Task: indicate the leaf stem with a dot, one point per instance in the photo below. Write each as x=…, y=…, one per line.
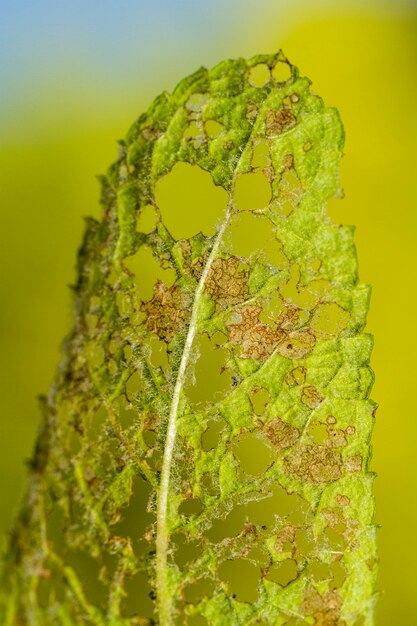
x=164, y=597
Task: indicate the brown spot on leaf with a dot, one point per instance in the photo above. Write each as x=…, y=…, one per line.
x=150, y=133
x=251, y=111
x=290, y=317
x=285, y=539
x=166, y=312
x=227, y=281
x=228, y=145
x=248, y=529
x=353, y=464
x=311, y=397
x=258, y=340
x=150, y=421
x=297, y=344
x=336, y=520
x=314, y=464
x=279, y=121
x=343, y=500
x=288, y=161
x=269, y=173
x=324, y=608
x=282, y=434
x=255, y=339
x=193, y=267
x=336, y=438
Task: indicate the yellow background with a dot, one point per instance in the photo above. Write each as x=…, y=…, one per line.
x=59, y=130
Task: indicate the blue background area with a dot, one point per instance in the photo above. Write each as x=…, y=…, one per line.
x=105, y=41
x=109, y=37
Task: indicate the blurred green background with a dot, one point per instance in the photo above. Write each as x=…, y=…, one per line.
x=75, y=75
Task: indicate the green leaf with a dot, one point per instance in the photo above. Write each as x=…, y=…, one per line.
x=205, y=448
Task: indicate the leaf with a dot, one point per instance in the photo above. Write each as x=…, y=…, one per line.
x=205, y=447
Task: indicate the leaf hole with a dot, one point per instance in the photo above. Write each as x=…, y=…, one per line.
x=264, y=513
x=314, y=265
x=87, y=570
x=305, y=543
x=281, y=72
x=250, y=235
x=189, y=201
x=259, y=398
x=149, y=437
x=295, y=294
x=318, y=571
x=213, y=128
x=283, y=572
x=259, y=555
x=253, y=453
x=185, y=551
x=157, y=351
x=334, y=539
x=212, y=358
x=126, y=416
x=51, y=587
x=297, y=344
x=196, y=591
x=338, y=573
x=296, y=376
x=135, y=386
x=259, y=75
x=289, y=193
x=155, y=459
x=146, y=220
x=147, y=272
x=136, y=518
x=193, y=130
x=55, y=527
x=252, y=191
x=317, y=432
x=211, y=437
x=137, y=601
x=261, y=155
x=190, y=507
x=242, y=579
x=329, y=319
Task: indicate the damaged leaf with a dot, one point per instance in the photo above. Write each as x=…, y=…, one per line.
x=161, y=492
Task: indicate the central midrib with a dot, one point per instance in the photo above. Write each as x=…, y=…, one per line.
x=164, y=600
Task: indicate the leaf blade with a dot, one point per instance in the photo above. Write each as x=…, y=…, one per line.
x=296, y=421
